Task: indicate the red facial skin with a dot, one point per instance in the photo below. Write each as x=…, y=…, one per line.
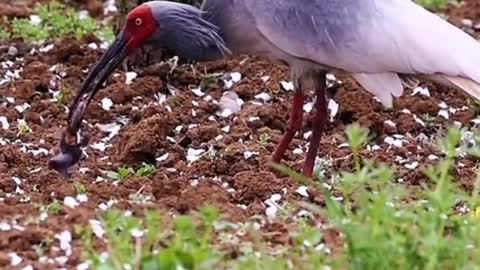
x=139, y=26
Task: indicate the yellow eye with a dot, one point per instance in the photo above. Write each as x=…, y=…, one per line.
x=138, y=21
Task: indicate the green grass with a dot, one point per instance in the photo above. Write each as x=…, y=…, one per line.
x=56, y=21
x=53, y=208
x=263, y=139
x=123, y=173
x=79, y=188
x=383, y=225
x=209, y=81
x=140, y=243
x=23, y=128
x=434, y=4
x=4, y=35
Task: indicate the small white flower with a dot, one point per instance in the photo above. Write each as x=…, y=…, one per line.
x=17, y=180
x=226, y=129
x=103, y=206
x=395, y=142
x=443, y=105
x=100, y=146
x=271, y=211
x=97, y=228
x=35, y=20
x=93, y=46
x=137, y=233
x=5, y=227
x=4, y=122
x=130, y=76
x=302, y=190
x=22, y=108
x=248, y=154
x=263, y=96
x=236, y=76
x=275, y=198
x=228, y=84
x=230, y=104
x=83, y=14
x=390, y=123
x=194, y=182
x=70, y=202
x=287, y=86
x=65, y=239
x=107, y=104
x=43, y=216
x=14, y=259
x=39, y=151
x=444, y=114
x=308, y=107
x=194, y=154
x=61, y=260
x=112, y=129
x=333, y=108
x=47, y=48
x=412, y=166
x=83, y=266
x=307, y=135
x=163, y=158
x=298, y=151
x=422, y=91
x=82, y=198
x=198, y=92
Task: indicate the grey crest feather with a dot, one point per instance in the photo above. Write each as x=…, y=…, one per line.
x=184, y=31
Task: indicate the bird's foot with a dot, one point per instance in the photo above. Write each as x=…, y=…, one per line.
x=294, y=124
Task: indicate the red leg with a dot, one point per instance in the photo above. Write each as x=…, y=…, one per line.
x=294, y=123
x=318, y=125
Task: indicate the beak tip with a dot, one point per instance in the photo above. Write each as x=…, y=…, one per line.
x=61, y=163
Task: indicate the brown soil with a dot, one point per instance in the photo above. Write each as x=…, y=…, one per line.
x=223, y=176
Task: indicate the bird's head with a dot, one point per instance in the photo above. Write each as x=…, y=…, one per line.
x=161, y=24
x=139, y=26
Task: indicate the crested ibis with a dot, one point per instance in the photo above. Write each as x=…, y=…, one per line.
x=379, y=43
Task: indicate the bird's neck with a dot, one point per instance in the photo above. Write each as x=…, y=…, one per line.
x=191, y=35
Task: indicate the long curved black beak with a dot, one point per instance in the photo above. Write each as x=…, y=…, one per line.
x=69, y=145
x=96, y=77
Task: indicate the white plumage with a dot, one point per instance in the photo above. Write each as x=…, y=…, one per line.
x=424, y=44
x=383, y=39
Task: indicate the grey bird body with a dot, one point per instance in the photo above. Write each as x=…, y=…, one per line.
x=372, y=40
x=378, y=42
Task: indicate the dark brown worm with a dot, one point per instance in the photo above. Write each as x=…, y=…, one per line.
x=71, y=155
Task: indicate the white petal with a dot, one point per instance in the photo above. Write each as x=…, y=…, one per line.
x=4, y=122
x=130, y=76
x=107, y=104
x=287, y=86
x=302, y=190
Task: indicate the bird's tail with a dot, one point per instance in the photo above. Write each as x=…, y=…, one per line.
x=469, y=86
x=385, y=86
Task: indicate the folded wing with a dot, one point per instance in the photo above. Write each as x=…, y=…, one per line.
x=374, y=40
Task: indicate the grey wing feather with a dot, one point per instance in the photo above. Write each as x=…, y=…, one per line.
x=198, y=38
x=372, y=39
x=318, y=30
